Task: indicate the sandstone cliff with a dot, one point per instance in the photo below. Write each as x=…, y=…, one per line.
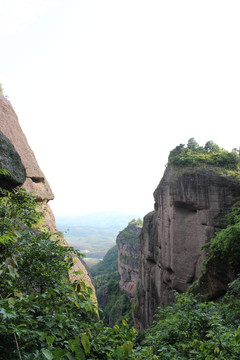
x=13, y=142
x=189, y=205
x=128, y=258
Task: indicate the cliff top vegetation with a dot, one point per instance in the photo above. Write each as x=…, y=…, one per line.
x=137, y=222
x=210, y=154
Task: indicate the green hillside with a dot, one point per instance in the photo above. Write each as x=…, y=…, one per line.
x=113, y=304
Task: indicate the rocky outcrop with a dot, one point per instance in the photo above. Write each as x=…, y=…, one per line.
x=189, y=206
x=12, y=170
x=128, y=258
x=35, y=181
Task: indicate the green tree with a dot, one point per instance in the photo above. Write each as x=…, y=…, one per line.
x=210, y=146
x=192, y=144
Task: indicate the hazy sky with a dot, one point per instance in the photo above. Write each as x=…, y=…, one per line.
x=104, y=89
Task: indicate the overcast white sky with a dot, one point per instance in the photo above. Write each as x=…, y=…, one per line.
x=104, y=89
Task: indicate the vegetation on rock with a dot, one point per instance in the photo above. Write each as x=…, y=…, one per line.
x=211, y=154
x=222, y=259
x=226, y=244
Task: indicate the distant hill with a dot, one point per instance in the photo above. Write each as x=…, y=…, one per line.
x=93, y=233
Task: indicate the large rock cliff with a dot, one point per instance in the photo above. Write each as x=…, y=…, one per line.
x=10, y=127
x=189, y=206
x=17, y=157
x=128, y=258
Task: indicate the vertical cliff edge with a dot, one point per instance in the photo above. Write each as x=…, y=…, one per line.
x=189, y=206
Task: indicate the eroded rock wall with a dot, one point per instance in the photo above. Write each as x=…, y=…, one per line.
x=189, y=206
x=35, y=179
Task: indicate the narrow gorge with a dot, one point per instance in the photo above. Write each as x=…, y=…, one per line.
x=189, y=241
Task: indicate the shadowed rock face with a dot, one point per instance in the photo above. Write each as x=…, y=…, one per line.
x=128, y=258
x=189, y=206
x=10, y=161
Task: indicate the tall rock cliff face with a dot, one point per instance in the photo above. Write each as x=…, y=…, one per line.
x=17, y=154
x=128, y=258
x=35, y=179
x=189, y=205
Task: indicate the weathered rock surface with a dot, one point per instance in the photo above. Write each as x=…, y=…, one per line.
x=189, y=205
x=10, y=161
x=128, y=258
x=35, y=179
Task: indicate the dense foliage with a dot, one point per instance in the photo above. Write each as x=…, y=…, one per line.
x=196, y=330
x=114, y=305
x=226, y=244
x=211, y=154
x=42, y=314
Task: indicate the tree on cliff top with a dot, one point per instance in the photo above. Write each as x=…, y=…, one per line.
x=192, y=144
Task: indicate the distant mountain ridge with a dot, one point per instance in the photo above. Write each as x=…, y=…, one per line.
x=97, y=219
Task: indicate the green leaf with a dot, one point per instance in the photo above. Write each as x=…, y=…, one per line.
x=12, y=271
x=85, y=343
x=70, y=357
x=76, y=348
x=50, y=323
x=50, y=339
x=48, y=354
